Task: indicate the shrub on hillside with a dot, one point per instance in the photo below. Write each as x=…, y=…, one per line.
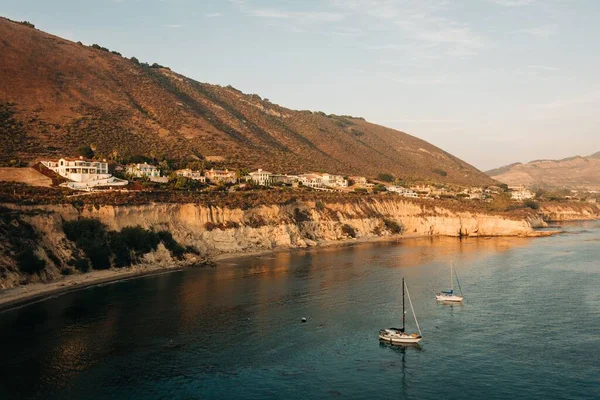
x=90, y=236
x=393, y=226
x=123, y=248
x=349, y=231
x=301, y=216
x=531, y=204
x=29, y=263
x=379, y=188
x=85, y=151
x=171, y=244
x=98, y=47
x=385, y=177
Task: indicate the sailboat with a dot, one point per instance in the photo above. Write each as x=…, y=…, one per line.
x=450, y=296
x=399, y=335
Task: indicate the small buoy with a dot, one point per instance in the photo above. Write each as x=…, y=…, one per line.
x=303, y=319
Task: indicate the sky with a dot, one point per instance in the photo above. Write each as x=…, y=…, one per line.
x=490, y=81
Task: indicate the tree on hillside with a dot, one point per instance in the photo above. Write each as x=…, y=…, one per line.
x=86, y=151
x=385, y=177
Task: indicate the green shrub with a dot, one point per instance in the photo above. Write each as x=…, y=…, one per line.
x=385, y=177
x=90, y=236
x=393, y=226
x=123, y=248
x=440, y=172
x=171, y=244
x=349, y=231
x=531, y=204
x=139, y=240
x=29, y=263
x=301, y=216
x=86, y=151
x=379, y=188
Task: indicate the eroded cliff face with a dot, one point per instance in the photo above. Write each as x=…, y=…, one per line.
x=570, y=212
x=215, y=230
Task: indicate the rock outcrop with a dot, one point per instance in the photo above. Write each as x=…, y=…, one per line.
x=570, y=212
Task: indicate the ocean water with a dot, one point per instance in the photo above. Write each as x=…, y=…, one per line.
x=529, y=327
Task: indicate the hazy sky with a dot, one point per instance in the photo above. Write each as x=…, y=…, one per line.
x=491, y=81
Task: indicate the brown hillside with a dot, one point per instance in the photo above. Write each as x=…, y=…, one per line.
x=56, y=95
x=572, y=173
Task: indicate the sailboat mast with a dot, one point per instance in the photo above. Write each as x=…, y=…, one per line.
x=451, y=276
x=403, y=312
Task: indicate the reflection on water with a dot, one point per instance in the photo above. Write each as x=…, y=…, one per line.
x=235, y=330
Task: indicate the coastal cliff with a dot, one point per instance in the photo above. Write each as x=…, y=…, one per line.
x=564, y=212
x=213, y=230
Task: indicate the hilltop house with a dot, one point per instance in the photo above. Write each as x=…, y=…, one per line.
x=143, y=170
x=84, y=174
x=188, y=173
x=358, y=180
x=520, y=193
x=311, y=180
x=260, y=177
x=423, y=189
x=402, y=191
x=220, y=176
x=334, y=180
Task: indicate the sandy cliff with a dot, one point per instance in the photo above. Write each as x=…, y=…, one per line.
x=570, y=212
x=216, y=230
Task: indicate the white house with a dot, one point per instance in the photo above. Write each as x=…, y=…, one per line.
x=358, y=180
x=402, y=191
x=143, y=170
x=311, y=180
x=188, y=173
x=520, y=193
x=78, y=169
x=84, y=174
x=260, y=177
x=422, y=189
x=220, y=176
x=334, y=180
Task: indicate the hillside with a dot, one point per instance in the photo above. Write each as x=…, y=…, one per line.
x=572, y=173
x=57, y=95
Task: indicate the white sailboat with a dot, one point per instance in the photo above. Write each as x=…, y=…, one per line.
x=399, y=335
x=450, y=296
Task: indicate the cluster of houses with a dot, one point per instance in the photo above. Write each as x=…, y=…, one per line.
x=94, y=175
x=520, y=193
x=313, y=180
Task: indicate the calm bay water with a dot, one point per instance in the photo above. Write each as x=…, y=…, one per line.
x=529, y=328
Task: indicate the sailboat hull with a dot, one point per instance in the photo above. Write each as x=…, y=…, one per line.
x=450, y=299
x=395, y=336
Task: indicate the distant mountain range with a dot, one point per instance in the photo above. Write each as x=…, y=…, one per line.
x=57, y=95
x=572, y=173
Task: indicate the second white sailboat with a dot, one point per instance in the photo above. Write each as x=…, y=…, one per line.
x=449, y=295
